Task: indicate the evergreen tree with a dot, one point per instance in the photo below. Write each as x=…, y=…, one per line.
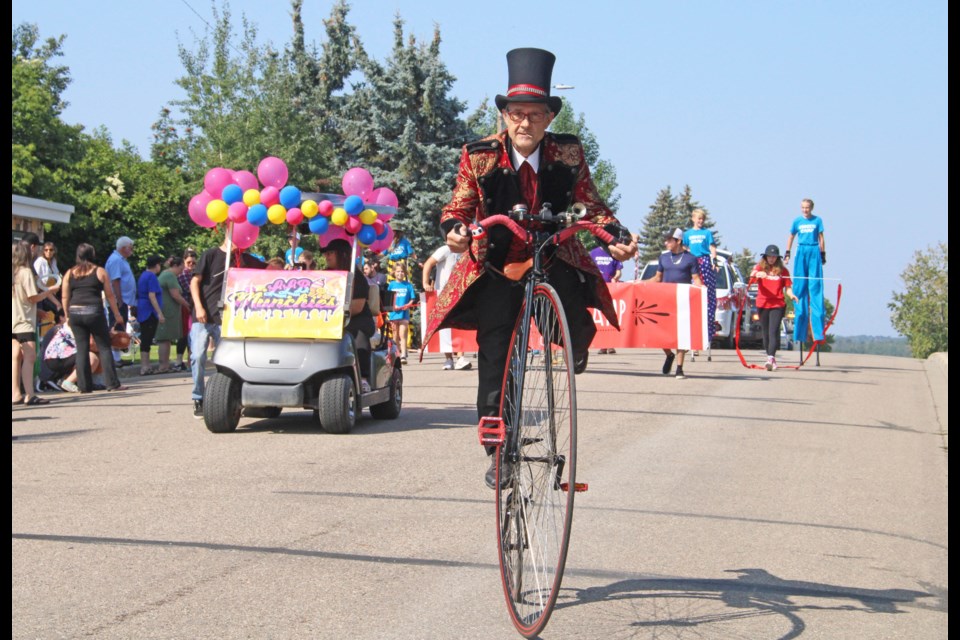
x=746, y=260
x=658, y=221
x=406, y=129
x=919, y=312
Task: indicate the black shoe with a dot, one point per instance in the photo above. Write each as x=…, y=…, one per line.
x=580, y=362
x=680, y=375
x=668, y=364
x=198, y=409
x=99, y=387
x=491, y=476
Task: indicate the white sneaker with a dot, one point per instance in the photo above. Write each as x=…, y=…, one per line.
x=448, y=365
x=773, y=363
x=462, y=364
x=769, y=366
x=72, y=387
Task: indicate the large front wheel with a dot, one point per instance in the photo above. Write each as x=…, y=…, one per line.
x=538, y=462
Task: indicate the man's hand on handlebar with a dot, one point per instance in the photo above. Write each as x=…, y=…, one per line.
x=458, y=239
x=623, y=252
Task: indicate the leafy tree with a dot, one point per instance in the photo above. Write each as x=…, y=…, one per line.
x=745, y=261
x=45, y=149
x=603, y=172
x=659, y=219
x=919, y=312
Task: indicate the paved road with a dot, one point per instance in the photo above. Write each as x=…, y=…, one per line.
x=734, y=504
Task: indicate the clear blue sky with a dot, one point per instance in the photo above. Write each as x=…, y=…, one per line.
x=755, y=105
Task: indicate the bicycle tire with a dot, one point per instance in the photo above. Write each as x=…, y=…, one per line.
x=535, y=500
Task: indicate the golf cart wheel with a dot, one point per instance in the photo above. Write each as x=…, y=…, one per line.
x=337, y=404
x=221, y=403
x=390, y=409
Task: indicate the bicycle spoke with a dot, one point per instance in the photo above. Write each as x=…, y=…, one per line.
x=535, y=512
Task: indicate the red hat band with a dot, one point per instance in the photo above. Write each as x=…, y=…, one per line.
x=526, y=90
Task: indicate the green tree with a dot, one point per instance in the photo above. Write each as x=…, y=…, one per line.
x=45, y=148
x=658, y=220
x=745, y=261
x=405, y=128
x=603, y=173
x=919, y=312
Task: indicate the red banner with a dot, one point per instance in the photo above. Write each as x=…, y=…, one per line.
x=652, y=315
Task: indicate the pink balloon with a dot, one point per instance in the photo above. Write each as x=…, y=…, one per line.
x=198, y=209
x=332, y=233
x=357, y=182
x=245, y=234
x=269, y=196
x=385, y=196
x=352, y=225
x=216, y=179
x=245, y=180
x=272, y=172
x=294, y=215
x=237, y=212
x=325, y=208
x=382, y=245
x=377, y=226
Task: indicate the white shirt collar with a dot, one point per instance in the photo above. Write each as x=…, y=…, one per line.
x=533, y=159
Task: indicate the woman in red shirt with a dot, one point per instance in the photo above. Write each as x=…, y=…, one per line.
x=773, y=284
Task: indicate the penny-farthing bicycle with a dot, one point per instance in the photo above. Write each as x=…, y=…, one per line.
x=535, y=434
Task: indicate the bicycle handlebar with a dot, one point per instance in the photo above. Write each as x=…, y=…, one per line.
x=478, y=230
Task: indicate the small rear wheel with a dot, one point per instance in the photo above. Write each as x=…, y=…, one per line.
x=337, y=406
x=221, y=403
x=390, y=409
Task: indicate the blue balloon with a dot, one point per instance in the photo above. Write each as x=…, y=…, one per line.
x=231, y=193
x=290, y=197
x=318, y=224
x=257, y=215
x=353, y=205
x=367, y=235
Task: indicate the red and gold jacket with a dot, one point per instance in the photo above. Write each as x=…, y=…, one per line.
x=486, y=185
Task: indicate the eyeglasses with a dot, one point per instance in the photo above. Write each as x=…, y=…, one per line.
x=535, y=117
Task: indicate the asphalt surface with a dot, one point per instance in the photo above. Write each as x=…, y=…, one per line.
x=737, y=503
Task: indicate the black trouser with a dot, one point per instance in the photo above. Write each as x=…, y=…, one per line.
x=498, y=304
x=83, y=326
x=770, y=320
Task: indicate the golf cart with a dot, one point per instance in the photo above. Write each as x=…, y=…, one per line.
x=284, y=345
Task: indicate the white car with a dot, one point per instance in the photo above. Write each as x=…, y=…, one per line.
x=729, y=280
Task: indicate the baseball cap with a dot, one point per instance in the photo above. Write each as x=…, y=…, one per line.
x=124, y=241
x=676, y=234
x=295, y=234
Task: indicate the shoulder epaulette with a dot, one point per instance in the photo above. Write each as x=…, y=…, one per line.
x=485, y=144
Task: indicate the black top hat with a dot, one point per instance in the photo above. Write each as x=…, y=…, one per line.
x=530, y=71
x=772, y=250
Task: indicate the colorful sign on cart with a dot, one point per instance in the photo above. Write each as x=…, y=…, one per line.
x=284, y=304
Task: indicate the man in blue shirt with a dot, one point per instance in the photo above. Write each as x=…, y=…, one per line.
x=807, y=272
x=676, y=265
x=124, y=285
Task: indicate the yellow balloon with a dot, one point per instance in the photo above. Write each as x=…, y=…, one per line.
x=309, y=208
x=339, y=216
x=367, y=216
x=251, y=197
x=277, y=214
x=217, y=210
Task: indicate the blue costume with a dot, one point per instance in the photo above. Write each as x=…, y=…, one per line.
x=699, y=242
x=808, y=278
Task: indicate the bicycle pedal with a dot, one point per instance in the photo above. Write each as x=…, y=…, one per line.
x=578, y=487
x=492, y=431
